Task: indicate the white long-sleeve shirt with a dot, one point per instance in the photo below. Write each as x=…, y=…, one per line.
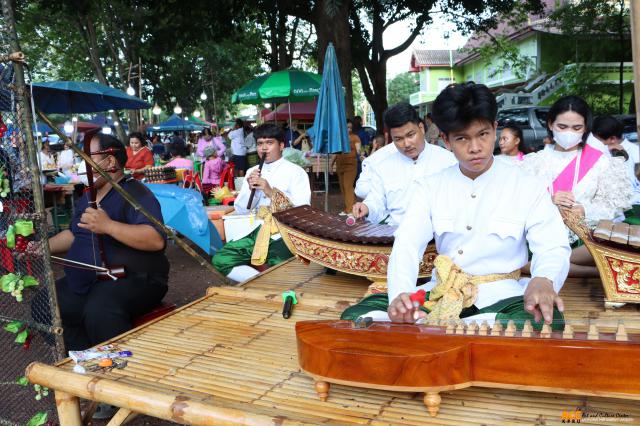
x=369, y=165
x=238, y=146
x=605, y=191
x=483, y=225
x=391, y=181
x=281, y=174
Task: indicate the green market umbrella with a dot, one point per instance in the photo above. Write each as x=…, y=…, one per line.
x=281, y=86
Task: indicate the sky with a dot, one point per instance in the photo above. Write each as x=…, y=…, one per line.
x=433, y=37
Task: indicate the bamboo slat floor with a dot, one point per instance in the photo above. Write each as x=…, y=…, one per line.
x=230, y=358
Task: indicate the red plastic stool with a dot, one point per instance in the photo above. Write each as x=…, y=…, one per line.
x=160, y=310
x=226, y=201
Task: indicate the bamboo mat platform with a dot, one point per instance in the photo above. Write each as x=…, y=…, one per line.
x=231, y=357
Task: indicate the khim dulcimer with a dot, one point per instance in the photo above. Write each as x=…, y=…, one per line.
x=432, y=358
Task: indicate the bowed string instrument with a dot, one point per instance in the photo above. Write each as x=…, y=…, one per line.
x=104, y=272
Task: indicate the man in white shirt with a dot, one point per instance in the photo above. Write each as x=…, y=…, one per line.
x=238, y=148
x=369, y=165
x=390, y=184
x=260, y=246
x=481, y=213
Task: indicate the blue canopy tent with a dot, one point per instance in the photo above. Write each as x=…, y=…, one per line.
x=175, y=123
x=65, y=97
x=330, y=133
x=182, y=210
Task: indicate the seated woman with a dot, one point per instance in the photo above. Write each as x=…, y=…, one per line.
x=511, y=144
x=139, y=156
x=580, y=177
x=213, y=167
x=178, y=152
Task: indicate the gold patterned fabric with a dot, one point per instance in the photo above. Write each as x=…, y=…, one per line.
x=456, y=289
x=269, y=228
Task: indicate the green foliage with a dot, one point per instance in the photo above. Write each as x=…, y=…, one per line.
x=183, y=48
x=38, y=420
x=603, y=27
x=401, y=87
x=22, y=381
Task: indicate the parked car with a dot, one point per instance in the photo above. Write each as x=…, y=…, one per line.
x=533, y=122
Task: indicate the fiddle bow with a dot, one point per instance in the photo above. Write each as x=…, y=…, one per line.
x=104, y=272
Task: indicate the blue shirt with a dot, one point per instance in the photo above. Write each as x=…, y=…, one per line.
x=290, y=136
x=85, y=247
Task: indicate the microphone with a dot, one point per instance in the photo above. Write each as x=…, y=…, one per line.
x=253, y=190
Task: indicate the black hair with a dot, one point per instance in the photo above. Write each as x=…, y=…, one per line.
x=429, y=116
x=517, y=132
x=458, y=105
x=607, y=126
x=575, y=104
x=139, y=136
x=239, y=123
x=620, y=153
x=400, y=114
x=178, y=149
x=206, y=131
x=111, y=142
x=349, y=121
x=269, y=131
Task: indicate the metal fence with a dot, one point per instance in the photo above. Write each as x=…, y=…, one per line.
x=29, y=322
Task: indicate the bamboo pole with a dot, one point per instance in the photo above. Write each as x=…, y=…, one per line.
x=68, y=409
x=25, y=138
x=133, y=202
x=180, y=409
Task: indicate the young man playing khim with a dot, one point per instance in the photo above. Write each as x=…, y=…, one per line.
x=481, y=213
x=261, y=245
x=389, y=188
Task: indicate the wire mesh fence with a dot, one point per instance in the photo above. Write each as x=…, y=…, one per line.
x=29, y=323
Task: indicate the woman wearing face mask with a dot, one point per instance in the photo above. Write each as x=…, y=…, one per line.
x=579, y=177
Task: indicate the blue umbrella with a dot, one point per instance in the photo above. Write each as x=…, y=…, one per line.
x=175, y=123
x=330, y=123
x=182, y=210
x=81, y=97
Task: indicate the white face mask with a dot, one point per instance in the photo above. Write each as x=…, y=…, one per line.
x=567, y=139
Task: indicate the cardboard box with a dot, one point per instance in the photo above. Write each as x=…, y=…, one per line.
x=215, y=215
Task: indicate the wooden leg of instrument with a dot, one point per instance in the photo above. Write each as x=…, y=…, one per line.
x=322, y=388
x=432, y=401
x=68, y=409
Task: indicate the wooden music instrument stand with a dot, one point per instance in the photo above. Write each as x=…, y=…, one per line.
x=616, y=255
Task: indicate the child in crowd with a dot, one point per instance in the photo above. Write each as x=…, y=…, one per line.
x=178, y=160
x=213, y=167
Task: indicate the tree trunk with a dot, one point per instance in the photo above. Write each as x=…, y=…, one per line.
x=335, y=28
x=87, y=29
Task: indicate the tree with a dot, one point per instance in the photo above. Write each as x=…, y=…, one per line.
x=604, y=19
x=401, y=87
x=370, y=19
x=80, y=39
